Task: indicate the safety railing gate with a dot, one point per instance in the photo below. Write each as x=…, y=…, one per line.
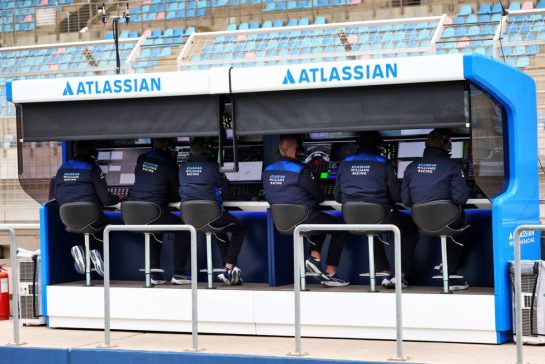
x=10, y=229
x=299, y=274
x=518, y=287
x=151, y=228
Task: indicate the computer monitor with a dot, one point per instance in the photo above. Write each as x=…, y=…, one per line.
x=411, y=149
x=416, y=149
x=401, y=167
x=457, y=151
x=118, y=164
x=247, y=172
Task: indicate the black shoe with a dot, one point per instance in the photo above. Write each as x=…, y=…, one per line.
x=314, y=266
x=157, y=279
x=334, y=280
x=390, y=282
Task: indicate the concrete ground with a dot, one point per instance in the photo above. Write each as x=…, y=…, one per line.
x=371, y=350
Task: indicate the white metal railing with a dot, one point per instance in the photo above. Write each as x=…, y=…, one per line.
x=10, y=229
x=151, y=228
x=356, y=39
x=299, y=274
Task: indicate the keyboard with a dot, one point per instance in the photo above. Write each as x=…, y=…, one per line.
x=119, y=190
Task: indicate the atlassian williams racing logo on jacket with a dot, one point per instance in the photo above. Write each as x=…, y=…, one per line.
x=346, y=73
x=99, y=87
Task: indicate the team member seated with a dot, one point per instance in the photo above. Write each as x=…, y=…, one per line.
x=81, y=180
x=435, y=177
x=369, y=177
x=288, y=181
x=200, y=179
x=156, y=181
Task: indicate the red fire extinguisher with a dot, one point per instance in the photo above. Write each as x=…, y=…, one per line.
x=4, y=294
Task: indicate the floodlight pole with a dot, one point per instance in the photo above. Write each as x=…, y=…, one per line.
x=115, y=30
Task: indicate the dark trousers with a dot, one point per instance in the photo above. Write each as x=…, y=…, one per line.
x=180, y=245
x=229, y=248
x=409, y=238
x=94, y=242
x=337, y=237
x=454, y=251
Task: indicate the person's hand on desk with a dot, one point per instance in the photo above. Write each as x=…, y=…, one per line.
x=121, y=197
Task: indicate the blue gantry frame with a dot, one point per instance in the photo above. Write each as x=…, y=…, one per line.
x=519, y=203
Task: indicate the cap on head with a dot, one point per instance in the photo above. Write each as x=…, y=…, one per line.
x=84, y=149
x=369, y=140
x=197, y=145
x=440, y=139
x=162, y=143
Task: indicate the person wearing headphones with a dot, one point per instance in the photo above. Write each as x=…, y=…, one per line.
x=80, y=179
x=368, y=177
x=200, y=179
x=288, y=181
x=435, y=177
x=156, y=181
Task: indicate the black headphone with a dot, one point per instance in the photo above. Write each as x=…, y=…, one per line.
x=444, y=135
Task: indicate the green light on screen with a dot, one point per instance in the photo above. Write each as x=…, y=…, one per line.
x=324, y=175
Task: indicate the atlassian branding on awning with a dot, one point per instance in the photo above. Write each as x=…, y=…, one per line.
x=163, y=84
x=338, y=74
x=98, y=87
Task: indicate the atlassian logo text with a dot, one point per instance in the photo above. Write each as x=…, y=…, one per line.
x=98, y=87
x=346, y=73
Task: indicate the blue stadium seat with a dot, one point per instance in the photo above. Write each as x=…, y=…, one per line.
x=484, y=9
x=515, y=5
x=278, y=23
x=541, y=4
x=232, y=26
x=465, y=10
x=267, y=24
x=321, y=20
x=523, y=62
x=293, y=22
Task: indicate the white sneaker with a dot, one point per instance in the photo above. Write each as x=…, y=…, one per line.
x=79, y=261
x=96, y=258
x=180, y=279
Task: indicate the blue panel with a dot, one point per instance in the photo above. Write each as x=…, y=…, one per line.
x=519, y=203
x=44, y=263
x=93, y=356
x=9, y=92
x=33, y=355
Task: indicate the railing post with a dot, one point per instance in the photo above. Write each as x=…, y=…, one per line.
x=15, y=285
x=297, y=258
x=151, y=228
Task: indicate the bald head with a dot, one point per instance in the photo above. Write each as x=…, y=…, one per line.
x=288, y=147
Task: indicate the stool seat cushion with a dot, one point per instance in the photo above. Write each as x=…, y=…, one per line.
x=79, y=217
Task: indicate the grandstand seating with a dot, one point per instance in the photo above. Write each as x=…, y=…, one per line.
x=20, y=15
x=157, y=45
x=249, y=47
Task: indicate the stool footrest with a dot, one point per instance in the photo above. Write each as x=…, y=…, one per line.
x=453, y=276
x=380, y=274
x=215, y=270
x=153, y=270
x=312, y=274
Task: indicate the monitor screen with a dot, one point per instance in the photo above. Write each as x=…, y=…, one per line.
x=401, y=167
x=457, y=151
x=118, y=164
x=317, y=152
x=411, y=149
x=247, y=172
x=416, y=150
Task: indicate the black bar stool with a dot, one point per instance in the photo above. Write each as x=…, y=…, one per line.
x=366, y=213
x=200, y=214
x=79, y=217
x=286, y=218
x=433, y=219
x=143, y=213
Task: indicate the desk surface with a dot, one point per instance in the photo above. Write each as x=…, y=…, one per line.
x=475, y=203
